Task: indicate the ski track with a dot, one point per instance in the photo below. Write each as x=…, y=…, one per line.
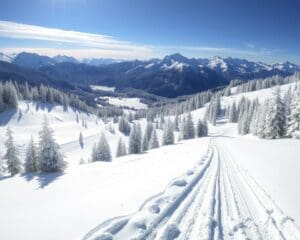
x=215, y=200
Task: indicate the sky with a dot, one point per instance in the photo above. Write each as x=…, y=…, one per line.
x=257, y=30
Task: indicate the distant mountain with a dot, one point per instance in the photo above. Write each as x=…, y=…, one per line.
x=63, y=58
x=7, y=57
x=172, y=76
x=32, y=60
x=99, y=61
x=9, y=71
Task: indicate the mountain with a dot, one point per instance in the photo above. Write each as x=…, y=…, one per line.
x=172, y=76
x=32, y=60
x=63, y=58
x=35, y=61
x=9, y=71
x=6, y=57
x=99, y=61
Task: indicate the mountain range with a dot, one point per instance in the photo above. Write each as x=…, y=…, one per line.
x=171, y=76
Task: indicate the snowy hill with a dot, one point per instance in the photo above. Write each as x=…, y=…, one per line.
x=238, y=186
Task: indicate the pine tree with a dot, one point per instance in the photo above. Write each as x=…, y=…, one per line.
x=276, y=117
x=32, y=158
x=190, y=126
x=102, y=151
x=153, y=142
x=145, y=143
x=187, y=129
x=11, y=156
x=293, y=129
x=2, y=166
x=232, y=117
x=81, y=140
x=121, y=149
x=202, y=128
x=168, y=134
x=50, y=157
x=135, y=139
x=124, y=126
x=148, y=131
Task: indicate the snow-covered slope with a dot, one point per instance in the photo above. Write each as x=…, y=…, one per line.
x=191, y=190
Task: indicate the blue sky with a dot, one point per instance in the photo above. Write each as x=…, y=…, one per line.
x=257, y=30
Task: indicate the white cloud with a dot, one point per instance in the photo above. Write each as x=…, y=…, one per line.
x=83, y=45
x=80, y=39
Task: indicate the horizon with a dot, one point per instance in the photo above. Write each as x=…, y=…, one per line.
x=149, y=59
x=126, y=30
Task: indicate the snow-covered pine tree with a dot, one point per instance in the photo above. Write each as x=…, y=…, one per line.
x=148, y=130
x=202, y=129
x=135, y=139
x=168, y=134
x=145, y=143
x=10, y=95
x=124, y=126
x=11, y=156
x=50, y=157
x=275, y=126
x=232, y=116
x=81, y=140
x=103, y=150
x=176, y=122
x=94, y=153
x=293, y=128
x=190, y=126
x=32, y=158
x=121, y=149
x=2, y=166
x=153, y=142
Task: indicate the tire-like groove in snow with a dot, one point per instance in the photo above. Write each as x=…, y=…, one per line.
x=217, y=201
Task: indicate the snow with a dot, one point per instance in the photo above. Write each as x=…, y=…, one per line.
x=175, y=65
x=217, y=62
x=134, y=103
x=149, y=65
x=176, y=190
x=102, y=88
x=73, y=203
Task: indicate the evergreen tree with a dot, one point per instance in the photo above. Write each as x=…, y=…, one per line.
x=168, y=134
x=148, y=131
x=11, y=156
x=81, y=140
x=135, y=139
x=190, y=126
x=202, y=129
x=293, y=129
x=232, y=117
x=153, y=142
x=121, y=149
x=2, y=167
x=50, y=157
x=275, y=126
x=124, y=126
x=103, y=150
x=145, y=144
x=176, y=123
x=32, y=158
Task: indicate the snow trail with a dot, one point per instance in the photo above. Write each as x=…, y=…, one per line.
x=215, y=200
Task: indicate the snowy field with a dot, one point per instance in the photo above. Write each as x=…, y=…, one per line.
x=134, y=103
x=248, y=185
x=102, y=88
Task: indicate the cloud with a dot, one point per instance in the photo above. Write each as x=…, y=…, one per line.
x=82, y=44
x=80, y=39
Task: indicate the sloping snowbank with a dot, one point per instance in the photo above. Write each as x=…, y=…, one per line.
x=64, y=206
